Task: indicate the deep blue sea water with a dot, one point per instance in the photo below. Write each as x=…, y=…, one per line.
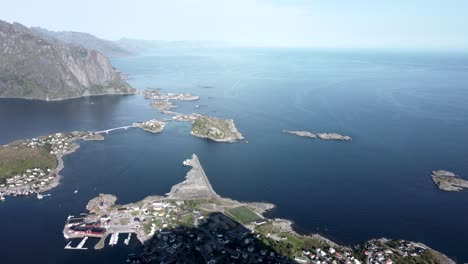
x=407, y=114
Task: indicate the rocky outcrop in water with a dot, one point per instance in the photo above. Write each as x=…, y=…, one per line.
x=324, y=136
x=448, y=181
x=34, y=67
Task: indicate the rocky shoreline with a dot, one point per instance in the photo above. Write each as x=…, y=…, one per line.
x=216, y=129
x=53, y=176
x=448, y=181
x=196, y=189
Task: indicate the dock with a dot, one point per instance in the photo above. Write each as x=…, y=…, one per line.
x=114, y=239
x=196, y=184
x=100, y=244
x=195, y=163
x=127, y=240
x=80, y=245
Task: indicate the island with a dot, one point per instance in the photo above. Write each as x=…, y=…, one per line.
x=163, y=105
x=448, y=181
x=216, y=129
x=213, y=128
x=324, y=136
x=181, y=117
x=33, y=165
x=156, y=94
x=162, y=101
x=152, y=125
x=193, y=224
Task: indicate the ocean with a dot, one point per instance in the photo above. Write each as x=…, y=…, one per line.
x=406, y=112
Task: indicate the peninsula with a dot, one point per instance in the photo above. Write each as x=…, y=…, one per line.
x=449, y=181
x=324, y=136
x=194, y=224
x=33, y=166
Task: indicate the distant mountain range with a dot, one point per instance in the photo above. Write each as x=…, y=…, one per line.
x=40, y=64
x=106, y=47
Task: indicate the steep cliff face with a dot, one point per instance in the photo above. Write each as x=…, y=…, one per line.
x=38, y=68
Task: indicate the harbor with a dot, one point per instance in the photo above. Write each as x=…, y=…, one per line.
x=80, y=245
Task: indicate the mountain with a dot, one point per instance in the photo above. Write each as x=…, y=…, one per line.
x=106, y=47
x=35, y=67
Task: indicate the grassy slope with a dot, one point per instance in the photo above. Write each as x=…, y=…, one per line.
x=204, y=124
x=16, y=158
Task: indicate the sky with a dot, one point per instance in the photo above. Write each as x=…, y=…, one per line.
x=431, y=24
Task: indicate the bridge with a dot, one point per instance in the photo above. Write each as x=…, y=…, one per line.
x=112, y=129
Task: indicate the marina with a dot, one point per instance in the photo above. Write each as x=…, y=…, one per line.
x=80, y=245
x=127, y=240
x=114, y=239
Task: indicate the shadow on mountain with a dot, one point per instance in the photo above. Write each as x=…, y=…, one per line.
x=216, y=238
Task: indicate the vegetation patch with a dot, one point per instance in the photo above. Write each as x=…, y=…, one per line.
x=243, y=214
x=16, y=158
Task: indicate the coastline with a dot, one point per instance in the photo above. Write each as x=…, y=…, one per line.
x=54, y=174
x=196, y=188
x=60, y=164
x=67, y=98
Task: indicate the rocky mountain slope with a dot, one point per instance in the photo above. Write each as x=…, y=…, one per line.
x=35, y=67
x=106, y=47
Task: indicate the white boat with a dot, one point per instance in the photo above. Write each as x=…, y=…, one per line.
x=76, y=191
x=39, y=196
x=2, y=198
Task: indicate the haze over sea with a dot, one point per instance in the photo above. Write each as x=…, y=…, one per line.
x=406, y=113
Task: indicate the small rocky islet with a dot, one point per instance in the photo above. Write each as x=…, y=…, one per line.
x=323, y=136
x=448, y=181
x=203, y=126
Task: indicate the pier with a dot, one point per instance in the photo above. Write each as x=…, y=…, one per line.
x=196, y=184
x=195, y=163
x=101, y=243
x=114, y=239
x=80, y=245
x=127, y=240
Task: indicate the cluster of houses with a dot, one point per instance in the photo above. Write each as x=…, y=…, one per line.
x=26, y=183
x=152, y=125
x=156, y=95
x=57, y=143
x=382, y=252
x=327, y=255
x=216, y=239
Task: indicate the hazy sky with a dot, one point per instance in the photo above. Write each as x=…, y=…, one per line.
x=326, y=23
